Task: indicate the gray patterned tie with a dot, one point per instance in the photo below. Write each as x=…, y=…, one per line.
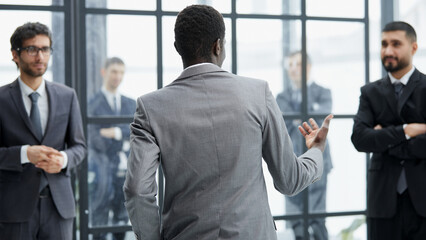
x=35, y=115
x=401, y=185
x=35, y=120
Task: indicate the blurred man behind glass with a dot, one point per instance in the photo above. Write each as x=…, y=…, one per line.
x=108, y=150
x=319, y=101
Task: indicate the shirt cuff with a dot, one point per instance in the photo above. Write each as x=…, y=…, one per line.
x=65, y=164
x=118, y=134
x=24, y=155
x=406, y=136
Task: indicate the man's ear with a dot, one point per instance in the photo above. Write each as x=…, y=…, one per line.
x=414, y=47
x=15, y=56
x=174, y=44
x=217, y=47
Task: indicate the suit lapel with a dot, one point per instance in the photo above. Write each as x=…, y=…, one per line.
x=313, y=91
x=389, y=94
x=108, y=108
x=16, y=96
x=408, y=90
x=53, y=102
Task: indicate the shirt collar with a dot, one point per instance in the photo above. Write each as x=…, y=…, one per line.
x=26, y=90
x=308, y=84
x=198, y=64
x=109, y=94
x=404, y=79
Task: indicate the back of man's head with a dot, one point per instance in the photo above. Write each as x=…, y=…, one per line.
x=28, y=31
x=401, y=26
x=197, y=27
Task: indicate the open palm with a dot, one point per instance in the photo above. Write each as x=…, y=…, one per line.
x=315, y=136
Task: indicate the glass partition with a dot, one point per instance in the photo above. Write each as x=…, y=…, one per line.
x=223, y=6
x=33, y=2
x=273, y=7
x=338, y=61
x=335, y=8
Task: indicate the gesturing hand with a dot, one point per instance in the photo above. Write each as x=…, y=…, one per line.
x=315, y=136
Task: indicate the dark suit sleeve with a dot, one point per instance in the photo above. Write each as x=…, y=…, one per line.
x=8, y=153
x=364, y=137
x=324, y=101
x=283, y=101
x=130, y=108
x=75, y=141
x=414, y=148
x=125, y=131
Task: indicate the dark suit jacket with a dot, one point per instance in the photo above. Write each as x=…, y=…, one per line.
x=98, y=106
x=19, y=183
x=378, y=105
x=103, y=152
x=319, y=102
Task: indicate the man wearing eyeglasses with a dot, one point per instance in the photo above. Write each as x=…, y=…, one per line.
x=41, y=142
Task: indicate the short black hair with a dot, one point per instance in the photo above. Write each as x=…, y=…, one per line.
x=401, y=26
x=113, y=60
x=197, y=27
x=294, y=53
x=28, y=31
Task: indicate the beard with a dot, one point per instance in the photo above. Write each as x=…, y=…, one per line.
x=390, y=67
x=27, y=69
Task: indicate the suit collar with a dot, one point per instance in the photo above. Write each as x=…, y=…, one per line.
x=409, y=88
x=199, y=69
x=404, y=80
x=16, y=95
x=53, y=103
x=389, y=92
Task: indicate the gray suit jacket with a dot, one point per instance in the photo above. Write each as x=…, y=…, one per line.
x=19, y=183
x=210, y=129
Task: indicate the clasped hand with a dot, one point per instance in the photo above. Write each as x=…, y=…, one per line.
x=315, y=136
x=46, y=158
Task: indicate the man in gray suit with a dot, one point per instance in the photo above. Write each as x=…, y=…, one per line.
x=210, y=129
x=41, y=142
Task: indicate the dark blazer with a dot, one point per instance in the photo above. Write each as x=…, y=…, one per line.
x=103, y=152
x=19, y=183
x=98, y=106
x=378, y=105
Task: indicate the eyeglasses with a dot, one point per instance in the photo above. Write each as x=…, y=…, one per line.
x=33, y=51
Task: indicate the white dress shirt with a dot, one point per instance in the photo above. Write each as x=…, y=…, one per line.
x=117, y=107
x=43, y=106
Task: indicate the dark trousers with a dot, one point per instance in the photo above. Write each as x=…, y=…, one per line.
x=114, y=201
x=44, y=224
x=405, y=225
x=317, y=203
